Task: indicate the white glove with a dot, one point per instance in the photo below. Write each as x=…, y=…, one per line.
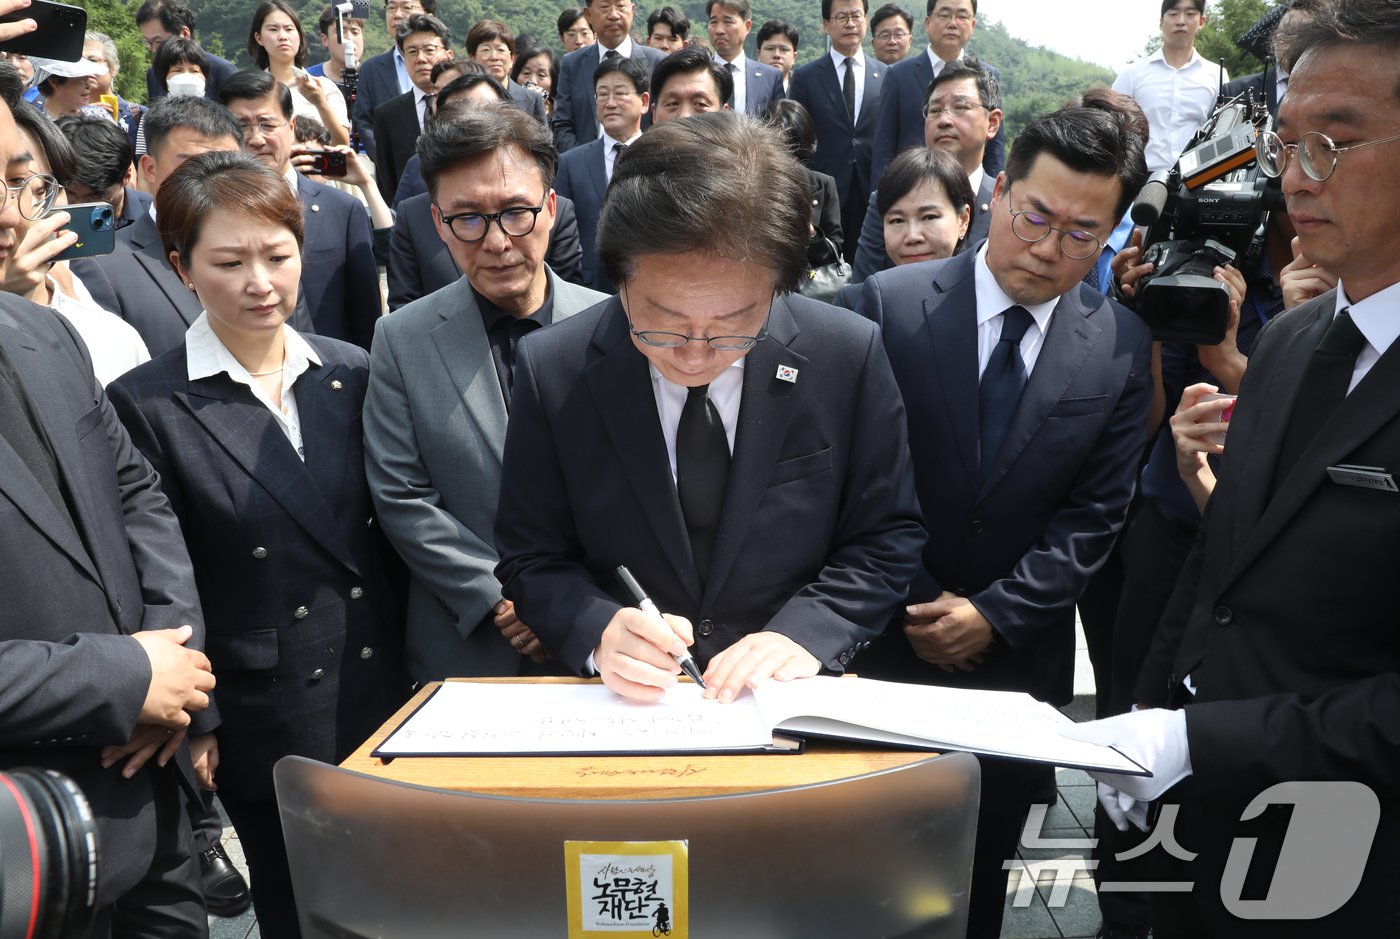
x=1121, y=808
x=1154, y=738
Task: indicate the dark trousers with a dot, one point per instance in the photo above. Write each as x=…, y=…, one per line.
x=168, y=902
x=259, y=827
x=1154, y=549
x=1008, y=789
x=1098, y=611
x=205, y=820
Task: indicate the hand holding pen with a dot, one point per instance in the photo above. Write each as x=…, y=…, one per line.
x=641, y=650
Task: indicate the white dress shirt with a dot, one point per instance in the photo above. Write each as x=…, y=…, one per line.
x=725, y=391
x=939, y=63
x=992, y=303
x=623, y=49
x=1177, y=101
x=610, y=154
x=859, y=65
x=738, y=69
x=975, y=178
x=301, y=107
x=114, y=344
x=207, y=356
x=1378, y=318
x=418, y=95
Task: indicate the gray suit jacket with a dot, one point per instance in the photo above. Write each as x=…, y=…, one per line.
x=435, y=428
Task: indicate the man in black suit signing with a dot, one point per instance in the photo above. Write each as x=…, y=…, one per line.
x=740, y=447
x=99, y=673
x=1277, y=658
x=1027, y=394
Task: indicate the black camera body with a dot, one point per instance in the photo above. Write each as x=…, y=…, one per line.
x=1208, y=210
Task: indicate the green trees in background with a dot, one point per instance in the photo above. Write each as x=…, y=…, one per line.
x=118, y=19
x=1226, y=21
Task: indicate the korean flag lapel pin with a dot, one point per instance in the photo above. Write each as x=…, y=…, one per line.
x=787, y=373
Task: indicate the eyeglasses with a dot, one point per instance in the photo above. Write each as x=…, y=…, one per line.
x=34, y=196
x=959, y=107
x=421, y=52
x=1317, y=154
x=846, y=19
x=1075, y=245
x=153, y=44
x=605, y=95
x=607, y=9
x=471, y=227
x=892, y=35
x=660, y=339
x=962, y=16
x=403, y=7
x=263, y=128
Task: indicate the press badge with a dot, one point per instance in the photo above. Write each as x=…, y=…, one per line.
x=1363, y=477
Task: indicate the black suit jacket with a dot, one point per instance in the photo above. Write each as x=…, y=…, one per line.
x=396, y=133
x=582, y=178
x=870, y=249
x=1021, y=540
x=71, y=681
x=825, y=217
x=575, y=118
x=339, y=276
x=304, y=625
x=844, y=149
x=377, y=83
x=1264, y=85
x=419, y=262
x=819, y=532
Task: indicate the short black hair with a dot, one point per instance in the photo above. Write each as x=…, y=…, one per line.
x=472, y=132
x=740, y=7
x=988, y=86
x=529, y=52
x=633, y=68
x=719, y=182
x=200, y=115
x=1200, y=6
x=1087, y=140
x=106, y=150
x=173, y=16
x=685, y=62
x=678, y=22
x=919, y=165
x=423, y=23
x=11, y=85
x=775, y=28
x=174, y=52
x=463, y=83
x=1341, y=22
x=826, y=8
x=888, y=10
x=567, y=18
x=254, y=85
x=329, y=15
x=63, y=162
x=450, y=65
x=791, y=119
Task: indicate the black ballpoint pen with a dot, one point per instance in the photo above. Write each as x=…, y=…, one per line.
x=685, y=661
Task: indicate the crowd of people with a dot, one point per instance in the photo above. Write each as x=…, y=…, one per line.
x=294, y=447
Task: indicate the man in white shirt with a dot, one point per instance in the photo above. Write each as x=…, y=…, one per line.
x=1175, y=86
x=755, y=84
x=620, y=88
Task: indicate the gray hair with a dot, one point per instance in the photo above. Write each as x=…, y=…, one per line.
x=109, y=49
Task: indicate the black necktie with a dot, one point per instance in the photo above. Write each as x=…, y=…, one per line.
x=702, y=469
x=618, y=150
x=1002, y=382
x=611, y=54
x=848, y=87
x=1321, y=391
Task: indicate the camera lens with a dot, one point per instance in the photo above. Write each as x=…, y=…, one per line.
x=48, y=857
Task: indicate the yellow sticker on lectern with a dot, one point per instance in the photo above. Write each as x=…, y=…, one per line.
x=627, y=889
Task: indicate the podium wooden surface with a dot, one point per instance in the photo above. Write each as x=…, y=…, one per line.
x=620, y=777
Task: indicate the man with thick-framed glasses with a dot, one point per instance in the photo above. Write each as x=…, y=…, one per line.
x=900, y=123
x=1275, y=661
x=739, y=447
x=622, y=92
x=1027, y=393
x=442, y=372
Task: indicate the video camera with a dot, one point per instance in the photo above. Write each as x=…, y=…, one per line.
x=1208, y=210
x=48, y=857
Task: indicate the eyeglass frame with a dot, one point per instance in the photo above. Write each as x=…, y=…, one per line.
x=1291, y=149
x=13, y=191
x=1064, y=233
x=264, y=128
x=489, y=217
x=931, y=112
x=947, y=15
x=845, y=18
x=891, y=35
x=748, y=341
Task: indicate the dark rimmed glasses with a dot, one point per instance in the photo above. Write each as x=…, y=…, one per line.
x=662, y=339
x=516, y=222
